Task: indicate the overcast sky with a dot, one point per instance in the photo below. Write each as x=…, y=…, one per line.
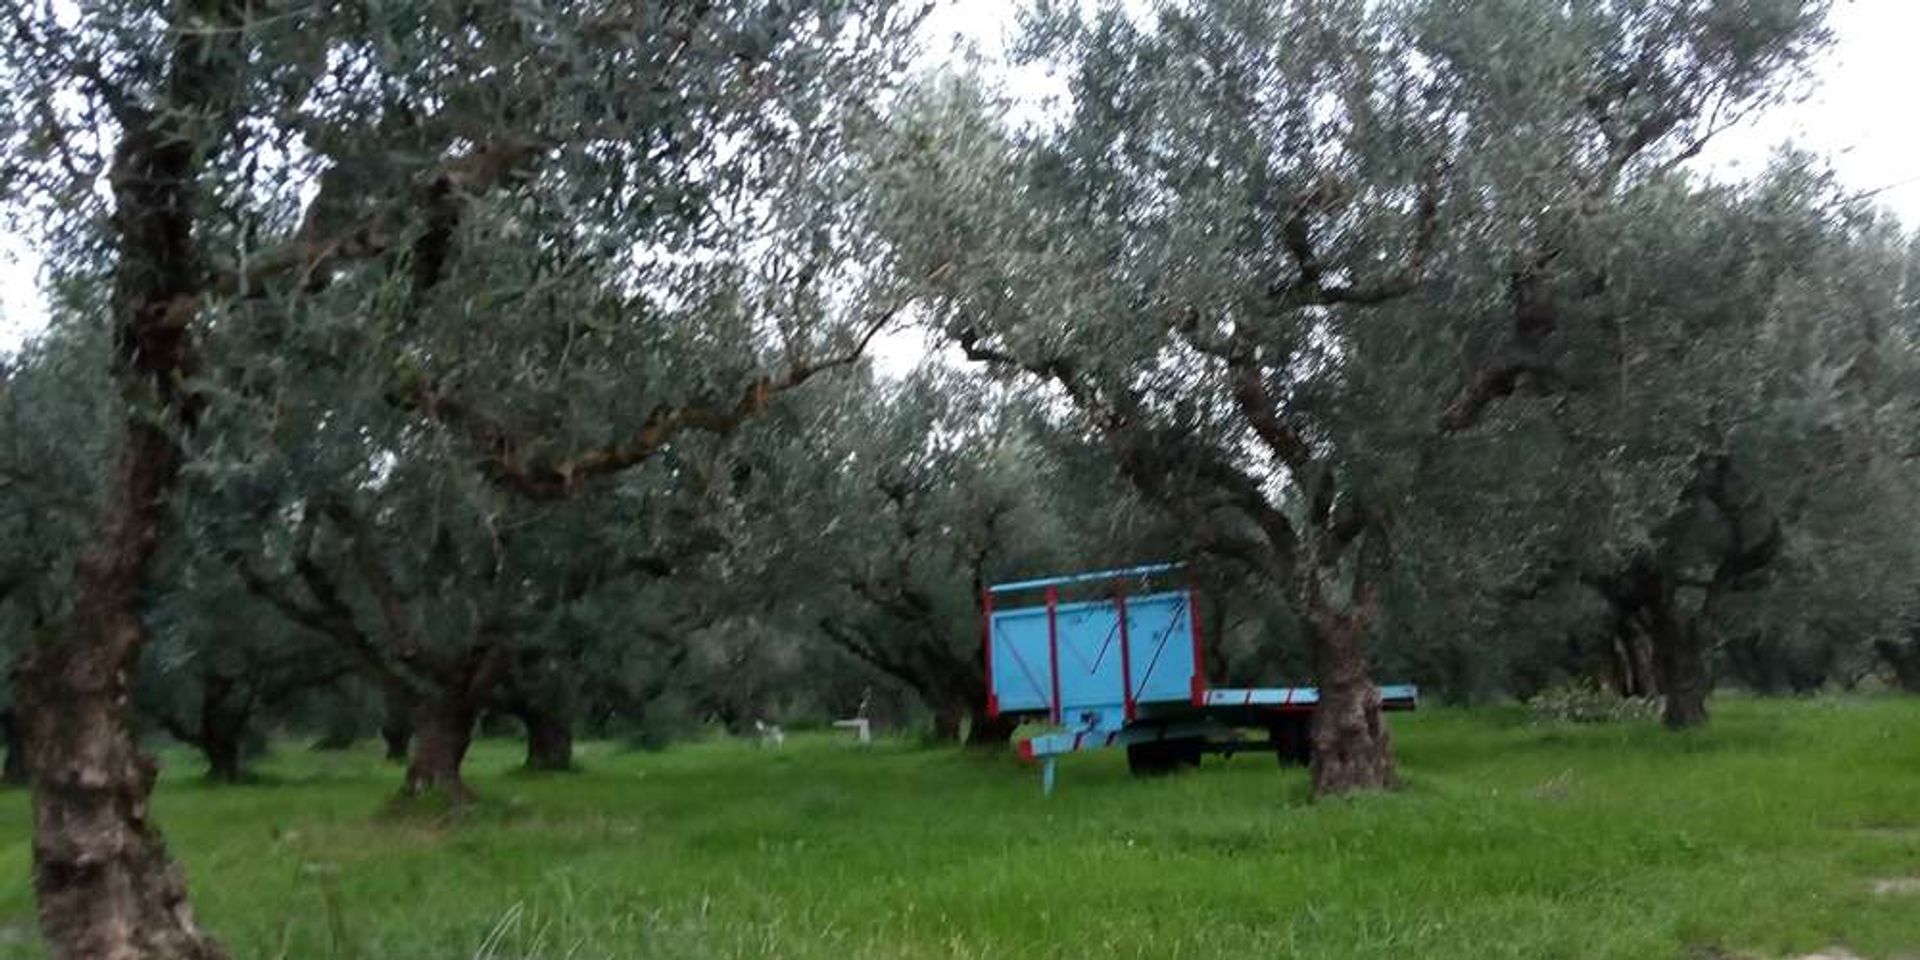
x=1862, y=115
x=1861, y=111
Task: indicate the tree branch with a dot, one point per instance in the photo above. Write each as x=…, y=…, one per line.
x=1310, y=287
x=312, y=256
x=565, y=477
x=1247, y=379
x=1534, y=317
x=373, y=572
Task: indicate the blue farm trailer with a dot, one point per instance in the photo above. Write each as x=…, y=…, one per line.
x=1113, y=668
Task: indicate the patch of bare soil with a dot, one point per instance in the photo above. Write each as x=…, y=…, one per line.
x=1891, y=831
x=1714, y=952
x=1835, y=952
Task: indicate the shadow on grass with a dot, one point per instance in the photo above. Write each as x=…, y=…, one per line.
x=544, y=773
x=1452, y=750
x=438, y=811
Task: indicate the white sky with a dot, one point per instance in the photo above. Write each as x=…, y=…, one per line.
x=1859, y=116
x=1856, y=114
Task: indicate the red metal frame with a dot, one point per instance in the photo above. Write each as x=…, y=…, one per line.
x=1199, y=658
x=1126, y=652
x=986, y=650
x=1198, y=686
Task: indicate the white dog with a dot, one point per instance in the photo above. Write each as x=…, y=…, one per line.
x=770, y=734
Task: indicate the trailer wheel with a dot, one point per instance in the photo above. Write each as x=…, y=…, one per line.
x=1156, y=758
x=1292, y=738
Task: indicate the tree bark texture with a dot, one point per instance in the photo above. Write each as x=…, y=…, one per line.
x=535, y=691
x=1905, y=661
x=986, y=732
x=965, y=715
x=1681, y=652
x=226, y=762
x=549, y=740
x=1683, y=638
x=1657, y=631
x=1352, y=749
x=224, y=714
x=396, y=719
x=1643, y=679
x=106, y=887
x=443, y=730
x=396, y=737
x=1630, y=661
x=105, y=883
x=948, y=723
x=443, y=723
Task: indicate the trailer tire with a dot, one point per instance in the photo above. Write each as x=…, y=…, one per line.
x=1292, y=735
x=1157, y=758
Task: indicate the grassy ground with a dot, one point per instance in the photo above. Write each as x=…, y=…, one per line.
x=1761, y=837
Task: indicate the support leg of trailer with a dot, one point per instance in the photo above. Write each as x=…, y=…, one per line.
x=1046, y=779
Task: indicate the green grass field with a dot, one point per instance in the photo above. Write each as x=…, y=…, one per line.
x=1762, y=837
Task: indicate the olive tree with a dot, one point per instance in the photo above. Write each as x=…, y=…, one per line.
x=286, y=186
x=53, y=430
x=1198, y=257
x=1709, y=468
x=890, y=516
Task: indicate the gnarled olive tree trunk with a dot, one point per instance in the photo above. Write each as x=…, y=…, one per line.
x=443, y=723
x=106, y=887
x=1638, y=678
x=1904, y=658
x=1656, y=630
x=442, y=733
x=549, y=740
x=1683, y=657
x=14, y=772
x=986, y=732
x=218, y=730
x=396, y=719
x=535, y=692
x=1352, y=748
x=105, y=884
x=225, y=713
x=965, y=714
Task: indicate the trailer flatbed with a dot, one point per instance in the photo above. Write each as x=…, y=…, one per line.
x=1126, y=668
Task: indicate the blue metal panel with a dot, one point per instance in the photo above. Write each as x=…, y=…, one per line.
x=1093, y=682
x=1089, y=660
x=1022, y=677
x=1160, y=637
